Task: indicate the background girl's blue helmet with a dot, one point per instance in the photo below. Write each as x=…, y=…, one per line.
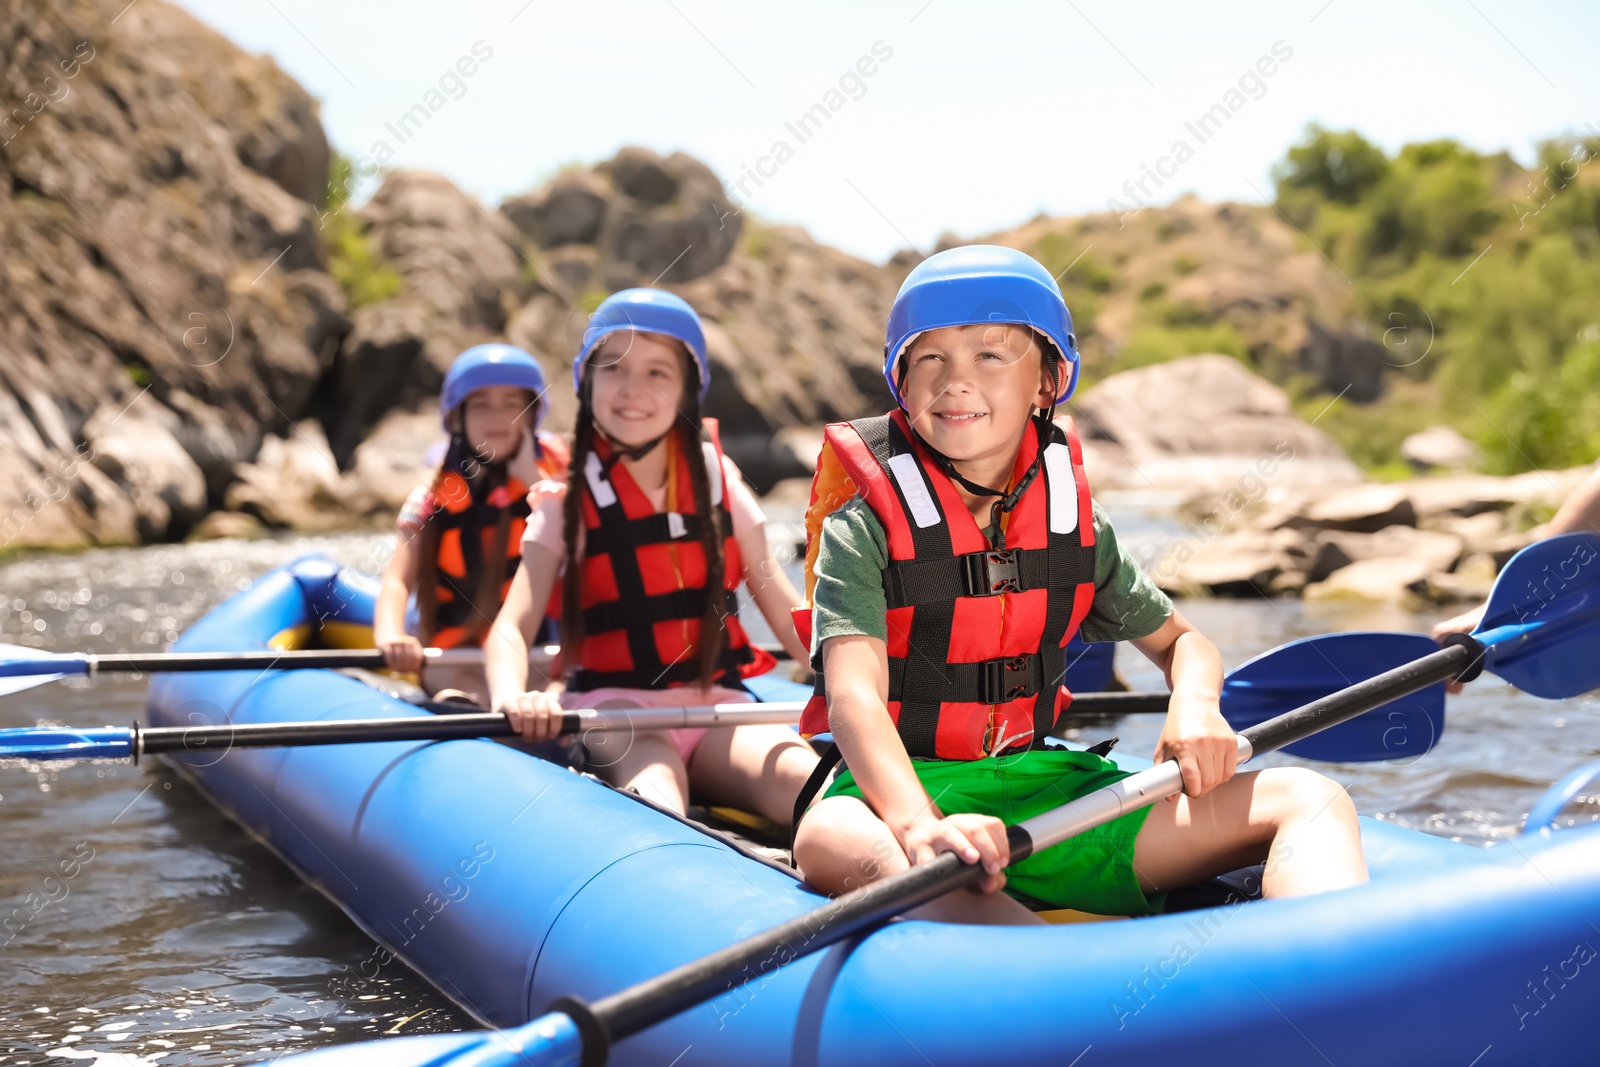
x=485, y=365
x=978, y=284
x=652, y=311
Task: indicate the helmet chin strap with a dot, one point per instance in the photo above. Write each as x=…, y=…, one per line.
x=632, y=452
x=461, y=456
x=1005, y=502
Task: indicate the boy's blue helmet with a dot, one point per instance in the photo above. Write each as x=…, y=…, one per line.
x=484, y=365
x=650, y=311
x=978, y=284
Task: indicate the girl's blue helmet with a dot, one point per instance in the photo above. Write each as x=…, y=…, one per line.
x=650, y=311
x=978, y=284
x=485, y=365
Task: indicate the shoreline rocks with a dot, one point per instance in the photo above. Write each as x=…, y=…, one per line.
x=1430, y=540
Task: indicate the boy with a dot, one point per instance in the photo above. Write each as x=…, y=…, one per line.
x=942, y=597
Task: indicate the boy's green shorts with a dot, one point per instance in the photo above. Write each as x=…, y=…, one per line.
x=1092, y=872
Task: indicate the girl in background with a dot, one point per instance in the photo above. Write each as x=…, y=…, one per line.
x=460, y=536
x=653, y=537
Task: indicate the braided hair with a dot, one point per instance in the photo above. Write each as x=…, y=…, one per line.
x=482, y=477
x=689, y=436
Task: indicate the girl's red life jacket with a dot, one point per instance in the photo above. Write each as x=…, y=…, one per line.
x=467, y=521
x=644, y=579
x=976, y=637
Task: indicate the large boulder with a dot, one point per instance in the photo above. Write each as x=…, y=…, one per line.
x=1435, y=550
x=653, y=220
x=1439, y=447
x=570, y=210
x=673, y=222
x=294, y=483
x=1240, y=563
x=454, y=257
x=458, y=263
x=1202, y=423
x=1394, y=579
x=393, y=460
x=1359, y=509
x=138, y=449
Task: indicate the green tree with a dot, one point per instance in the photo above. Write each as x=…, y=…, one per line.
x=1335, y=165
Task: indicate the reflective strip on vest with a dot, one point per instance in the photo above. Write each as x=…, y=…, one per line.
x=908, y=473
x=1063, y=488
x=714, y=471
x=594, y=469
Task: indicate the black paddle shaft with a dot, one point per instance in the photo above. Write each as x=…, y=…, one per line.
x=450, y=722
x=266, y=659
x=269, y=659
x=444, y=727
x=642, y=1006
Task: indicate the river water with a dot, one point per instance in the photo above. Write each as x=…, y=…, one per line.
x=148, y=929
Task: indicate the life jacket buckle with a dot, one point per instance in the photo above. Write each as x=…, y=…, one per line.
x=1010, y=678
x=992, y=572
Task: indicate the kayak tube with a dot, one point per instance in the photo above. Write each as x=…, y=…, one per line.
x=507, y=881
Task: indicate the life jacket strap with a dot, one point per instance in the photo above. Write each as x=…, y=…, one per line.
x=663, y=607
x=830, y=758
x=989, y=573
x=915, y=679
x=622, y=534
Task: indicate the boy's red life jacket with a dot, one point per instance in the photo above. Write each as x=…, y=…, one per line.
x=976, y=637
x=467, y=522
x=644, y=579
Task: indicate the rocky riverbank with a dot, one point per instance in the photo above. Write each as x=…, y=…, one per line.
x=199, y=335
x=1430, y=540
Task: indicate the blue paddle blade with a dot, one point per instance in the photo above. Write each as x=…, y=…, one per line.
x=1302, y=671
x=23, y=668
x=1541, y=629
x=50, y=742
x=1089, y=666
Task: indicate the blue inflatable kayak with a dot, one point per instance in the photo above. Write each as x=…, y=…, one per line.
x=507, y=881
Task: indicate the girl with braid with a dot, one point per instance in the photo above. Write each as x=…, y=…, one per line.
x=652, y=538
x=460, y=536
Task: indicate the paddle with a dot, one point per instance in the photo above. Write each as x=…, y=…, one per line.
x=113, y=742
x=1526, y=621
x=1291, y=673
x=1551, y=604
x=1300, y=671
x=23, y=668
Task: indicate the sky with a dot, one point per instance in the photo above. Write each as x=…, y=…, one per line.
x=927, y=115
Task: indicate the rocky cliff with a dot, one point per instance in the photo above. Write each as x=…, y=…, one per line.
x=164, y=301
x=188, y=324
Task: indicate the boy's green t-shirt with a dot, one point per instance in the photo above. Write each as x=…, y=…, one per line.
x=848, y=598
